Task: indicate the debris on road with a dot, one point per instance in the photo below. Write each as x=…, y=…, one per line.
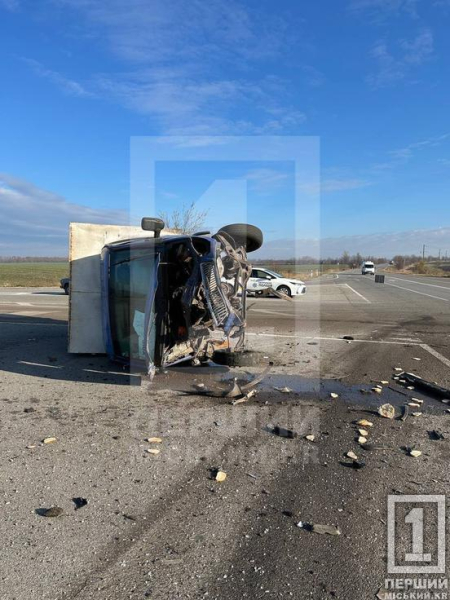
x=354, y=464
x=334, y=395
x=348, y=337
x=364, y=423
x=405, y=413
x=310, y=437
x=79, y=502
x=368, y=447
x=29, y=410
x=220, y=476
x=154, y=451
x=236, y=389
x=282, y=432
x=415, y=453
x=154, y=440
x=435, y=435
x=363, y=432
x=283, y=390
x=387, y=411
x=415, y=358
x=416, y=414
x=414, y=404
x=383, y=594
x=418, y=400
x=377, y=390
x=54, y=511
x=49, y=440
x=362, y=439
x=243, y=398
x=318, y=528
x=432, y=388
x=398, y=369
x=351, y=455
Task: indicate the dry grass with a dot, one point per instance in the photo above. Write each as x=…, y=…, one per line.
x=424, y=269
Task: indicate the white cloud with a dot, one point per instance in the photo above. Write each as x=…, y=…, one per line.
x=381, y=9
x=313, y=77
x=178, y=57
x=394, y=66
x=10, y=4
x=330, y=185
x=400, y=156
x=35, y=221
x=379, y=244
x=182, y=31
x=266, y=180
x=69, y=86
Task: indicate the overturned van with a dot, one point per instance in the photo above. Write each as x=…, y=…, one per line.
x=176, y=298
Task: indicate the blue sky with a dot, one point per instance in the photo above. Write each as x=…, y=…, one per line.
x=80, y=78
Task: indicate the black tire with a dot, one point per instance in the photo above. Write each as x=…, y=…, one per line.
x=283, y=289
x=239, y=359
x=67, y=289
x=249, y=236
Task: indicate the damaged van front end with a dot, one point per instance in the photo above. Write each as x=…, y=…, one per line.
x=176, y=298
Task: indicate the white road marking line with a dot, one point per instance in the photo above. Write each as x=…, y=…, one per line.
x=436, y=354
x=30, y=313
x=35, y=364
x=444, y=287
x=36, y=304
x=34, y=324
x=358, y=294
x=416, y=292
x=401, y=339
x=331, y=339
x=270, y=312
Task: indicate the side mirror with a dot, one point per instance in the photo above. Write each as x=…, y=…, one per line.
x=151, y=224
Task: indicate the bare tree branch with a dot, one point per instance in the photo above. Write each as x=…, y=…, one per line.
x=187, y=219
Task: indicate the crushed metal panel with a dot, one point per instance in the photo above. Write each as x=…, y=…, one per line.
x=86, y=241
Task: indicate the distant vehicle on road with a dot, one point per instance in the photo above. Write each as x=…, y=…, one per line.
x=65, y=285
x=368, y=268
x=261, y=279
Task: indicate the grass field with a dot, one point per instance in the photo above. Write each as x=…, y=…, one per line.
x=431, y=269
x=41, y=274
x=32, y=274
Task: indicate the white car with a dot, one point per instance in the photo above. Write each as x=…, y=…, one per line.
x=261, y=279
x=368, y=268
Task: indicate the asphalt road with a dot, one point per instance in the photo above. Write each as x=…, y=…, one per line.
x=157, y=526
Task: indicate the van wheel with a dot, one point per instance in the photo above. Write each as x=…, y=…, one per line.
x=249, y=236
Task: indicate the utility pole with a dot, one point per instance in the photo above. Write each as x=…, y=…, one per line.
x=423, y=252
x=439, y=254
